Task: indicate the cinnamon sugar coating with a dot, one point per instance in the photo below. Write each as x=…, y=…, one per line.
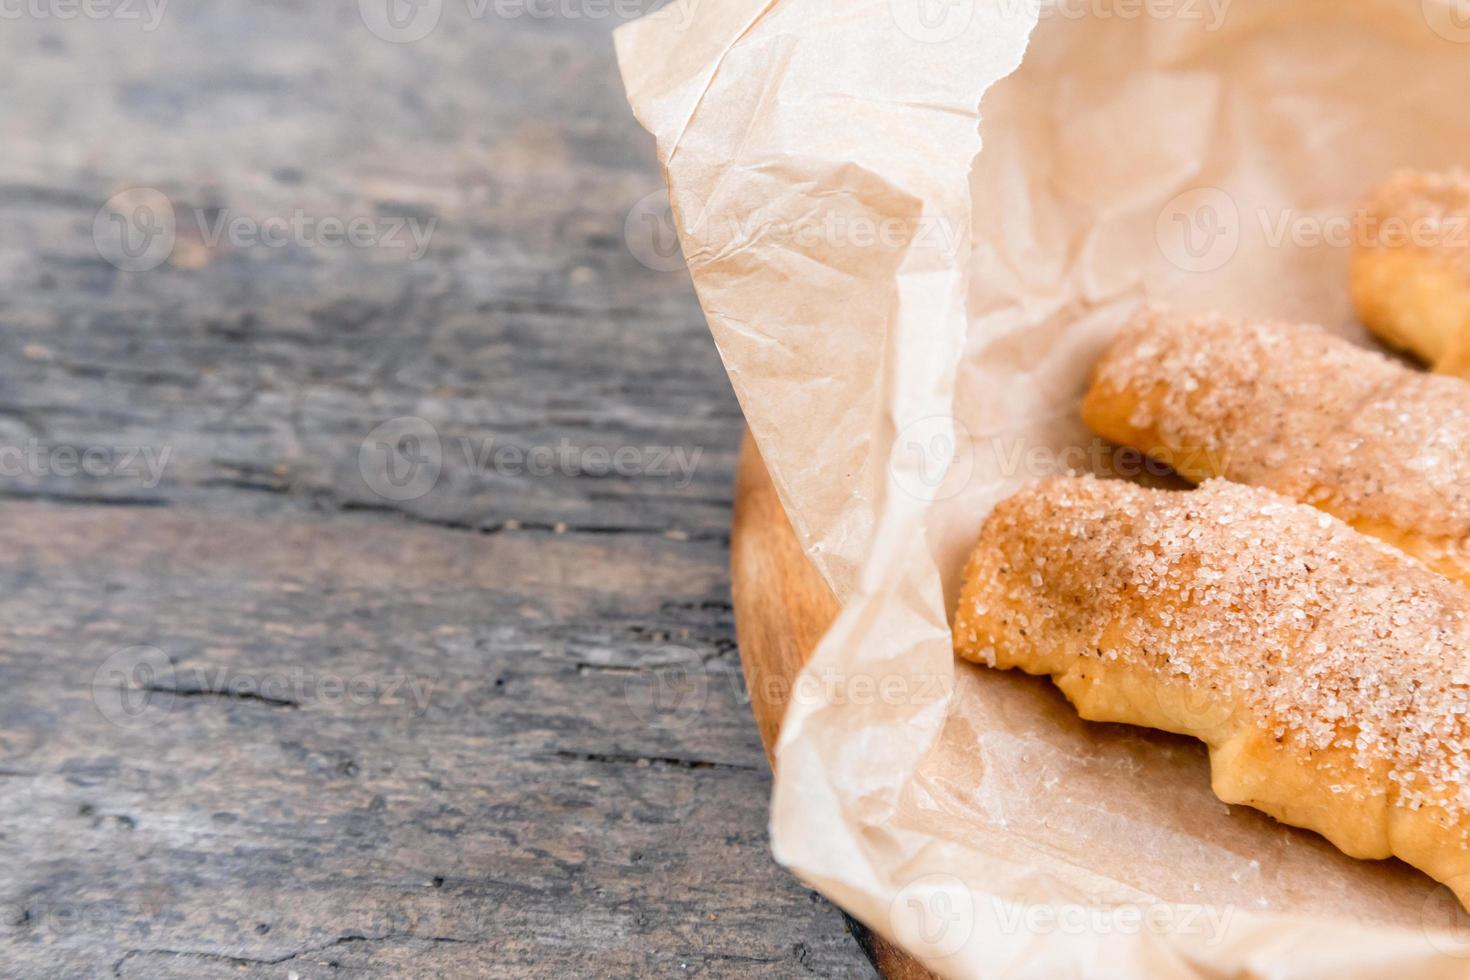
x=1410, y=273
x=1299, y=411
x=1328, y=673
x=1426, y=212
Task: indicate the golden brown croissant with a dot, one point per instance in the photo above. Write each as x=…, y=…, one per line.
x=1410, y=276
x=1329, y=674
x=1299, y=411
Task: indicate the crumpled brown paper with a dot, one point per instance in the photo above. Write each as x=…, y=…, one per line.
x=908, y=320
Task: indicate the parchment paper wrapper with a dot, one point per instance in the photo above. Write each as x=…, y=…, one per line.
x=908, y=320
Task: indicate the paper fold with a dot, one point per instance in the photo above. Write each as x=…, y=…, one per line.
x=907, y=320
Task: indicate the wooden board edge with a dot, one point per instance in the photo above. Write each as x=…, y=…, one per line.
x=782, y=608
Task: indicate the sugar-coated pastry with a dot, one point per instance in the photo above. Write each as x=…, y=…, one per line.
x=1410, y=277
x=1295, y=409
x=1328, y=673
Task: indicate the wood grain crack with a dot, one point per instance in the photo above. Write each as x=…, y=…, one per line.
x=117, y=967
x=674, y=762
x=222, y=695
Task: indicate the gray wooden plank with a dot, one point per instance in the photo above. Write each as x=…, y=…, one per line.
x=574, y=785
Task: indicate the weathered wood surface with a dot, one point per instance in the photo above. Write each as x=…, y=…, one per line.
x=259, y=719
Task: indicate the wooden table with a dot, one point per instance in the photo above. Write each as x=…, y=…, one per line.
x=291, y=684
